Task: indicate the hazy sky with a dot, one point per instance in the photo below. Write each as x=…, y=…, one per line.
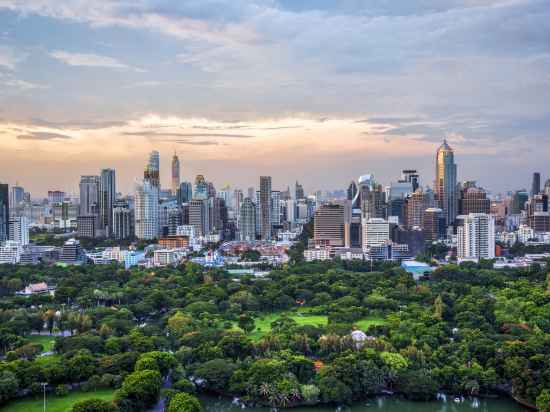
x=315, y=90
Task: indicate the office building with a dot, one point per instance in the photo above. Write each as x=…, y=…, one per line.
x=275, y=208
x=446, y=182
x=198, y=216
x=247, y=220
x=17, y=196
x=476, y=237
x=519, y=199
x=10, y=252
x=152, y=170
x=4, y=212
x=328, y=226
x=433, y=224
x=19, y=230
x=123, y=221
x=107, y=197
x=265, y=207
x=411, y=176
x=72, y=252
x=473, y=200
x=535, y=185
x=176, y=174
x=299, y=191
x=201, y=188
x=89, y=195
x=414, y=208
x=376, y=232
x=146, y=211
x=88, y=226
x=55, y=196
x=185, y=193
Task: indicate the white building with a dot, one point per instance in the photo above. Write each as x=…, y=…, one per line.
x=10, y=252
x=167, y=257
x=146, y=210
x=19, y=230
x=525, y=233
x=316, y=254
x=376, y=232
x=476, y=238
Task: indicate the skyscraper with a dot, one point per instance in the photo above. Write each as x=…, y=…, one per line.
x=89, y=195
x=445, y=182
x=328, y=226
x=19, y=230
x=201, y=188
x=265, y=207
x=247, y=220
x=146, y=210
x=185, y=193
x=4, y=212
x=107, y=197
x=535, y=185
x=175, y=174
x=123, y=221
x=299, y=191
x=152, y=170
x=476, y=237
x=17, y=196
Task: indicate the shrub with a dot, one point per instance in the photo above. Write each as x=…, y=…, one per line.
x=61, y=390
x=94, y=405
x=183, y=402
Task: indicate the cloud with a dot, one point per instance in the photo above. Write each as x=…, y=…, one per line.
x=43, y=136
x=9, y=57
x=176, y=134
x=90, y=60
x=193, y=143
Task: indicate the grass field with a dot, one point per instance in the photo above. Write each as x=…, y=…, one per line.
x=46, y=341
x=302, y=317
x=55, y=404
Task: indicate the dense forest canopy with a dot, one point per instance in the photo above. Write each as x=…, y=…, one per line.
x=282, y=340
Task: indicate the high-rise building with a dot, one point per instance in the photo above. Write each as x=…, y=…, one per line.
x=275, y=208
x=535, y=185
x=476, y=237
x=87, y=226
x=176, y=174
x=415, y=206
x=19, y=230
x=152, y=170
x=107, y=197
x=123, y=221
x=473, y=200
x=329, y=226
x=519, y=198
x=201, y=188
x=376, y=232
x=185, y=193
x=265, y=207
x=198, y=216
x=299, y=192
x=55, y=196
x=89, y=195
x=247, y=220
x=146, y=211
x=4, y=212
x=238, y=199
x=433, y=224
x=373, y=198
x=17, y=196
x=446, y=181
x=411, y=176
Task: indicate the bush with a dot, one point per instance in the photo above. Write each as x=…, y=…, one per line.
x=94, y=405
x=310, y=394
x=185, y=385
x=139, y=391
x=61, y=390
x=183, y=402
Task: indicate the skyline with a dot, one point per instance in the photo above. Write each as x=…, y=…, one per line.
x=302, y=90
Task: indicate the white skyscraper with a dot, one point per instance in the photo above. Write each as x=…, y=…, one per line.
x=146, y=210
x=476, y=237
x=376, y=232
x=19, y=230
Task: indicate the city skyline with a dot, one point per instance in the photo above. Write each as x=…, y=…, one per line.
x=244, y=86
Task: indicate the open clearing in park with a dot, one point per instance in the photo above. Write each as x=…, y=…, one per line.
x=263, y=322
x=54, y=403
x=46, y=341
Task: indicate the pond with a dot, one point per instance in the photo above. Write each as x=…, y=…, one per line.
x=385, y=404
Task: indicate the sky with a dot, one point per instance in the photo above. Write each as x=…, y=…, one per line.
x=312, y=90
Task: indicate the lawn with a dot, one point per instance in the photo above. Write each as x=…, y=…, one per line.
x=46, y=341
x=54, y=403
x=302, y=317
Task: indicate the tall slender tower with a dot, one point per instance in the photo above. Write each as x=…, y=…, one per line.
x=535, y=186
x=265, y=207
x=152, y=171
x=175, y=174
x=445, y=182
x=107, y=197
x=4, y=212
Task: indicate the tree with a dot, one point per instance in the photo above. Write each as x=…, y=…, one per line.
x=246, y=323
x=8, y=386
x=183, y=402
x=334, y=391
x=139, y=391
x=216, y=373
x=543, y=401
x=94, y=405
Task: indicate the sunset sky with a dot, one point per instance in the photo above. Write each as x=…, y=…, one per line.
x=315, y=90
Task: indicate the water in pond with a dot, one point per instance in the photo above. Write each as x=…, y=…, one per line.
x=385, y=404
